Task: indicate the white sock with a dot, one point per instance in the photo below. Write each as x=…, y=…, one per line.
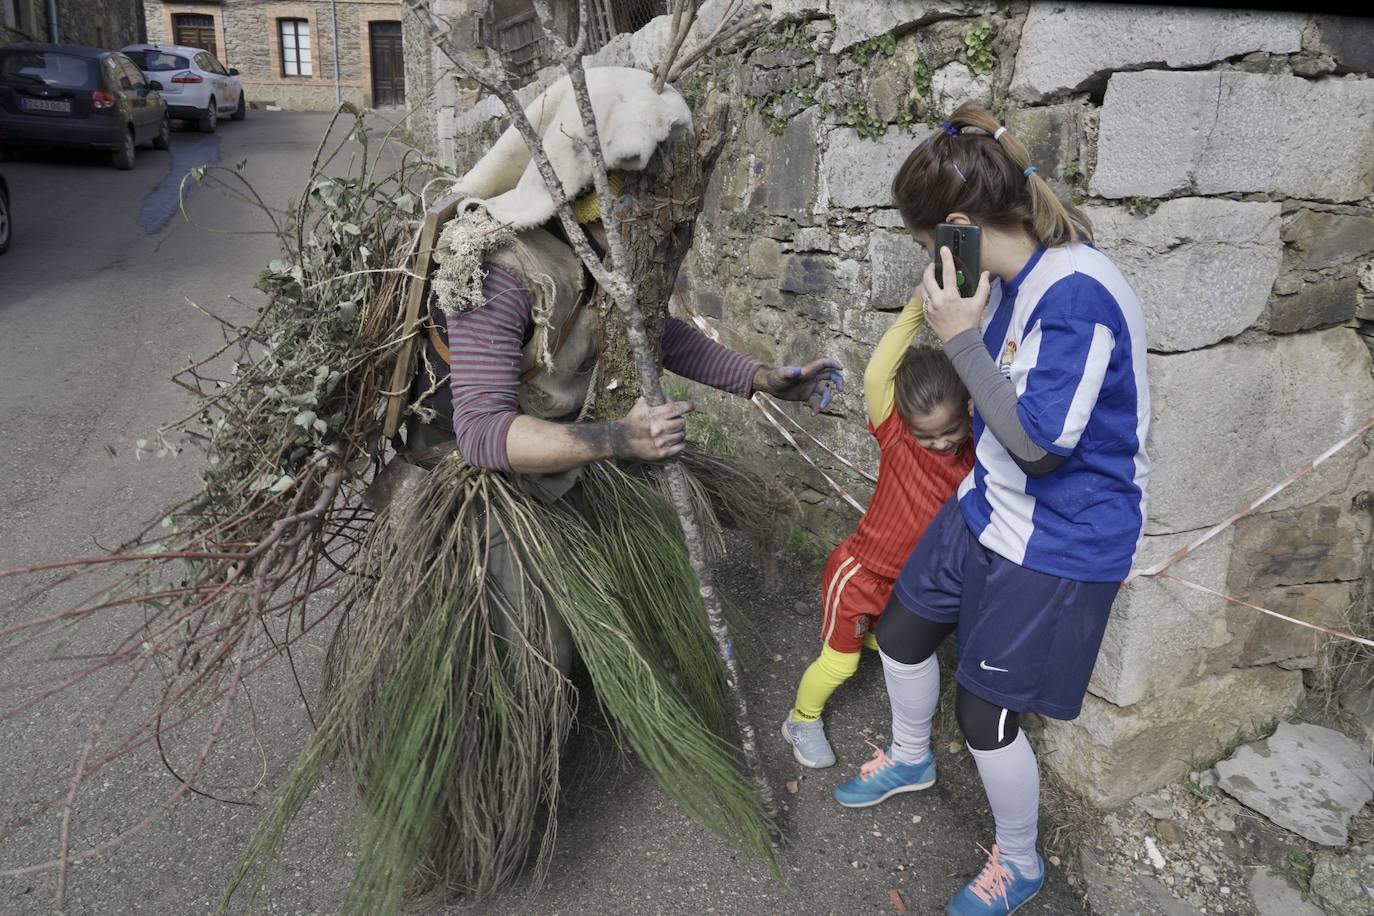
x=1011, y=777
x=914, y=692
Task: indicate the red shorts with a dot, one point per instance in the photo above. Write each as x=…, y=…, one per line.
x=852, y=598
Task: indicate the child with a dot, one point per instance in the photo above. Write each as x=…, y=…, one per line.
x=1024, y=562
x=922, y=458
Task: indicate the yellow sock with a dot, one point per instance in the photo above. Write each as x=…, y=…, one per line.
x=820, y=680
x=870, y=642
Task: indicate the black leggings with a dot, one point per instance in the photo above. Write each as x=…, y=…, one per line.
x=910, y=639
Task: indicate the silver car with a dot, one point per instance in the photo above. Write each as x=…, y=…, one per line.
x=195, y=85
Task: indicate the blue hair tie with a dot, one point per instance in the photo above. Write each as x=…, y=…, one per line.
x=950, y=129
x=1029, y=169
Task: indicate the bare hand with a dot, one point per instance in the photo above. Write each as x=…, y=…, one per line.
x=815, y=383
x=653, y=433
x=948, y=313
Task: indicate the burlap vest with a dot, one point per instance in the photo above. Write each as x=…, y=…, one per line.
x=565, y=327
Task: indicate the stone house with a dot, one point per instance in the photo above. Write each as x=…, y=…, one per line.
x=99, y=23
x=1226, y=158
x=299, y=55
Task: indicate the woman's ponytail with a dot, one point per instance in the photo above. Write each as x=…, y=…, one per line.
x=994, y=182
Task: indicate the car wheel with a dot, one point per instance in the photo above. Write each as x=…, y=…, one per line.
x=210, y=120
x=242, y=111
x=123, y=158
x=6, y=222
x=163, y=140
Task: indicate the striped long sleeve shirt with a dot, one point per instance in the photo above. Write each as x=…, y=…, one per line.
x=485, y=350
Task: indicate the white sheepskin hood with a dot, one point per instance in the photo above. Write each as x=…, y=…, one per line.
x=631, y=119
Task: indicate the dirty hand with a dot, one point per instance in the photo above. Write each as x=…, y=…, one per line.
x=815, y=383
x=653, y=433
x=948, y=313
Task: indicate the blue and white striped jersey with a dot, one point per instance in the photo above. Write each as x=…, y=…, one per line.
x=1070, y=334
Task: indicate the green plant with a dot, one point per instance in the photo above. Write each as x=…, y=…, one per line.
x=1072, y=171
x=792, y=35
x=978, y=47
x=864, y=120
x=865, y=50
x=705, y=427
x=1297, y=868
x=920, y=76
x=777, y=118
x=805, y=548
x=693, y=85
x=1140, y=206
x=740, y=222
x=1259, y=728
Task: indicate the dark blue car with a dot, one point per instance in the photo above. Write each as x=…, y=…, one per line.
x=74, y=96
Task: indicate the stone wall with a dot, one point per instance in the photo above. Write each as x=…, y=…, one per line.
x=248, y=39
x=26, y=20
x=1227, y=161
x=436, y=94
x=97, y=23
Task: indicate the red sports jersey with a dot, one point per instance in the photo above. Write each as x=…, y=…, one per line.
x=913, y=483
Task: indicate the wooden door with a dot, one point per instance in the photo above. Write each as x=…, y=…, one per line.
x=195, y=31
x=388, y=64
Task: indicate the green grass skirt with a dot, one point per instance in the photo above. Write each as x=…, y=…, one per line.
x=453, y=721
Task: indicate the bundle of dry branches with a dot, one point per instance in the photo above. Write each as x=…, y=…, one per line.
x=228, y=581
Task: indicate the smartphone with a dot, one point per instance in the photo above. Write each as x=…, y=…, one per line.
x=965, y=243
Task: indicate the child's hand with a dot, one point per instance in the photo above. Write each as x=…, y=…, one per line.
x=948, y=313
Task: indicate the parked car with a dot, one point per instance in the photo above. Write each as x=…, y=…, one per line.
x=197, y=87
x=6, y=217
x=70, y=95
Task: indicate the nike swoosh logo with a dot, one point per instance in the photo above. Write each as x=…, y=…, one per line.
x=986, y=667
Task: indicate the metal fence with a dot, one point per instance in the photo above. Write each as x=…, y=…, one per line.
x=511, y=28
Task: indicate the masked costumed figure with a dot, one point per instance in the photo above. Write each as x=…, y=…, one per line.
x=525, y=526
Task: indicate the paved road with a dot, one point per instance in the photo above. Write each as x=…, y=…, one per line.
x=93, y=319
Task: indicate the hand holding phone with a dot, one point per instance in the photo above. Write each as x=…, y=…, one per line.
x=965, y=243
x=951, y=309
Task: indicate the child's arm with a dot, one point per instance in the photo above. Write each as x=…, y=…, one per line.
x=879, y=391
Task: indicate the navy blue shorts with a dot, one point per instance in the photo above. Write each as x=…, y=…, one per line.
x=1027, y=640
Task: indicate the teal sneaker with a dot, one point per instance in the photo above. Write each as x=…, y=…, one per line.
x=997, y=890
x=882, y=777
x=809, y=744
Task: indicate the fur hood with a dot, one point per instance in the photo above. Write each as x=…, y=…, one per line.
x=631, y=119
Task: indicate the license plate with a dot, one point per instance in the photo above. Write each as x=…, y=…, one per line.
x=61, y=105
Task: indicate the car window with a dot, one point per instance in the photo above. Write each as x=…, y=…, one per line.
x=110, y=68
x=157, y=61
x=204, y=62
x=130, y=77
x=215, y=66
x=49, y=68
